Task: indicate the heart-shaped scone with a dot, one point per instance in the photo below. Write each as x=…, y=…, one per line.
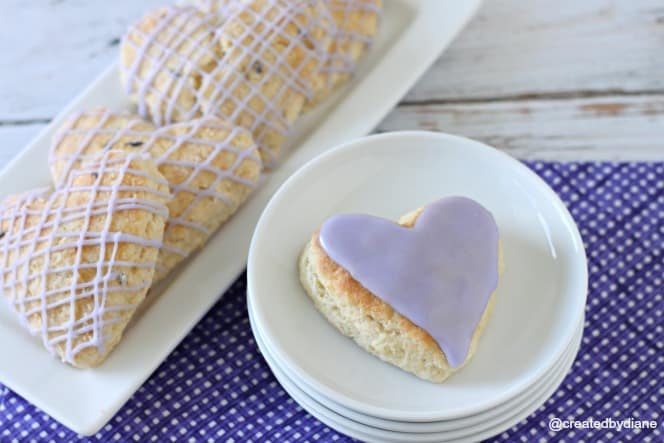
x=273, y=51
x=416, y=294
x=254, y=66
x=219, y=7
x=76, y=262
x=211, y=167
x=356, y=25
x=163, y=60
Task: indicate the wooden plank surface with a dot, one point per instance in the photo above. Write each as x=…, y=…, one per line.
x=605, y=128
x=53, y=49
x=577, y=79
x=524, y=49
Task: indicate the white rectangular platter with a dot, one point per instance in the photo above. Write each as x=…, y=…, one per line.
x=412, y=35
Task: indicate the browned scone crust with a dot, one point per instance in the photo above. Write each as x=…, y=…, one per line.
x=371, y=322
x=203, y=199
x=218, y=7
x=272, y=53
x=357, y=23
x=212, y=167
x=253, y=63
x=76, y=263
x=163, y=59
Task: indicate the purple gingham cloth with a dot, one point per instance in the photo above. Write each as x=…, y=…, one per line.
x=216, y=387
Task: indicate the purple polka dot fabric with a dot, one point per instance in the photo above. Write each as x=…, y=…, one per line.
x=216, y=386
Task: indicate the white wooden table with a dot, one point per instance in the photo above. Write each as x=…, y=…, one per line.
x=539, y=79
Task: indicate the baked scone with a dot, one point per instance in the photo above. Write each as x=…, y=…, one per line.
x=273, y=51
x=356, y=23
x=76, y=262
x=220, y=7
x=253, y=63
x=211, y=167
x=418, y=294
x=164, y=58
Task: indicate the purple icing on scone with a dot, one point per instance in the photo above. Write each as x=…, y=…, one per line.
x=439, y=274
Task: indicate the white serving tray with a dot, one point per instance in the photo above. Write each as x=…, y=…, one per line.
x=412, y=36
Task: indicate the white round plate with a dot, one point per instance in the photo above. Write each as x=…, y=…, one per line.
x=421, y=427
x=477, y=432
x=539, y=301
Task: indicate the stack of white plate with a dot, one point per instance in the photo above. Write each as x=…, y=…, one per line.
x=375, y=421
x=528, y=346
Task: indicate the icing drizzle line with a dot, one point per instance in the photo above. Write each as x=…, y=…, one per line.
x=34, y=236
x=346, y=34
x=224, y=88
x=149, y=138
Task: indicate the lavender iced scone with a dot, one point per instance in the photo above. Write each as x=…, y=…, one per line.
x=357, y=23
x=164, y=58
x=416, y=294
x=75, y=263
x=211, y=167
x=273, y=51
x=254, y=65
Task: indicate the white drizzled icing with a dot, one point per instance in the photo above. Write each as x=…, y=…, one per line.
x=348, y=19
x=137, y=130
x=164, y=43
x=28, y=247
x=226, y=85
x=220, y=7
x=261, y=28
x=347, y=34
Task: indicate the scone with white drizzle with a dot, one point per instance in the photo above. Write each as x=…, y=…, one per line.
x=273, y=51
x=212, y=167
x=357, y=23
x=164, y=58
x=254, y=66
x=75, y=263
